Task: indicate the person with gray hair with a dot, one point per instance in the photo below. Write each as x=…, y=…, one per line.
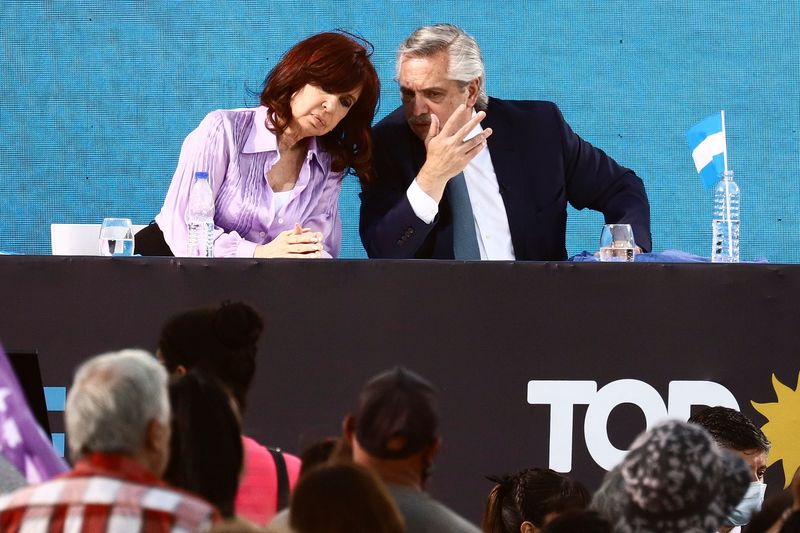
x=460, y=175
x=118, y=431
x=115, y=400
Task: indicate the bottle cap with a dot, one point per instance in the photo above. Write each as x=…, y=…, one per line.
x=201, y=175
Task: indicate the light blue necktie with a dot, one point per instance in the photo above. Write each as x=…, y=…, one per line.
x=465, y=242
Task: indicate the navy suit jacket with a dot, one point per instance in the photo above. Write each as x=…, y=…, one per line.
x=540, y=163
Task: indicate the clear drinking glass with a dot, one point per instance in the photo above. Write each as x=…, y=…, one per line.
x=617, y=244
x=116, y=237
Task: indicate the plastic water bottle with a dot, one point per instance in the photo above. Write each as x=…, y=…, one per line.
x=725, y=226
x=200, y=217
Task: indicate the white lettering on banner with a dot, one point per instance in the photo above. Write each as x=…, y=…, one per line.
x=562, y=396
x=561, y=399
x=684, y=394
x=615, y=393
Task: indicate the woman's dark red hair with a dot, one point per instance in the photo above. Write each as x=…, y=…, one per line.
x=336, y=63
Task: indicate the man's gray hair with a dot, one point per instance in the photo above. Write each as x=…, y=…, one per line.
x=464, y=56
x=112, y=400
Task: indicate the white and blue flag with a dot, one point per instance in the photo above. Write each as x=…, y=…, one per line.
x=709, y=149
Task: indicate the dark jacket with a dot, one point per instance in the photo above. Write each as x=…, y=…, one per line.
x=540, y=163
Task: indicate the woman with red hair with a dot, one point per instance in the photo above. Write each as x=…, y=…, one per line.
x=276, y=170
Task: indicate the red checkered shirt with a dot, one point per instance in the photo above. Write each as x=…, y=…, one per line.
x=104, y=493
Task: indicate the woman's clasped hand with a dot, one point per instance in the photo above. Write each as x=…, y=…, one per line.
x=293, y=243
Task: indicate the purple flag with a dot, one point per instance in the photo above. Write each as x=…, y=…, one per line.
x=22, y=442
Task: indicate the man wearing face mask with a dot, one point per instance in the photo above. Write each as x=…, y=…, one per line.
x=734, y=431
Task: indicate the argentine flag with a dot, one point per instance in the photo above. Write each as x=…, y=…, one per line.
x=709, y=149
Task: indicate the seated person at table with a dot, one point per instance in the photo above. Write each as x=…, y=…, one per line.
x=519, y=169
x=276, y=170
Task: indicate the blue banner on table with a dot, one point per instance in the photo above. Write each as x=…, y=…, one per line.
x=22, y=441
x=707, y=141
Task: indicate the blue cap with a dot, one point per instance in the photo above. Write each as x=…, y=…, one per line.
x=201, y=175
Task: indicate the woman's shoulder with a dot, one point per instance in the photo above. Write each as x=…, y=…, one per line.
x=229, y=117
x=227, y=127
x=256, y=451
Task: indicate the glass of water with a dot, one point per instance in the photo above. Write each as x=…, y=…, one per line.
x=617, y=244
x=116, y=237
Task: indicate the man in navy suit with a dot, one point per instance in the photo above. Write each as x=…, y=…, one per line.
x=460, y=175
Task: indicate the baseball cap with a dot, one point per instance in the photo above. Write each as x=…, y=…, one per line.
x=397, y=414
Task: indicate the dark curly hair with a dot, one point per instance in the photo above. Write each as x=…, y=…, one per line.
x=222, y=342
x=731, y=429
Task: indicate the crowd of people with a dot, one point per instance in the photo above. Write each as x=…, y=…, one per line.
x=156, y=440
x=156, y=445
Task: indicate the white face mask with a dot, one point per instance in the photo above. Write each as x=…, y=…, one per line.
x=750, y=505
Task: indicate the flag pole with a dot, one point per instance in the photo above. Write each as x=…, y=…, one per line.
x=725, y=140
x=727, y=186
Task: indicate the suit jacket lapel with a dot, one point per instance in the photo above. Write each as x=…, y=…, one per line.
x=503, y=150
x=417, y=150
x=508, y=155
x=440, y=242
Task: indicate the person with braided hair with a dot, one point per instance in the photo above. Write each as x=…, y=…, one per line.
x=524, y=502
x=222, y=342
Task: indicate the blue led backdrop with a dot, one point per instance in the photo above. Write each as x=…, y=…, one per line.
x=97, y=98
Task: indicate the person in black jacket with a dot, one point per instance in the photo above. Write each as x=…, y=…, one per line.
x=461, y=175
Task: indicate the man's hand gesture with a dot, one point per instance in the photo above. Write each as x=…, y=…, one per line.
x=448, y=152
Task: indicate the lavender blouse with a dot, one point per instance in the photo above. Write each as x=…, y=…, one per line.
x=237, y=150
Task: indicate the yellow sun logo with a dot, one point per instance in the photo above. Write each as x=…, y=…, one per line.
x=783, y=427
